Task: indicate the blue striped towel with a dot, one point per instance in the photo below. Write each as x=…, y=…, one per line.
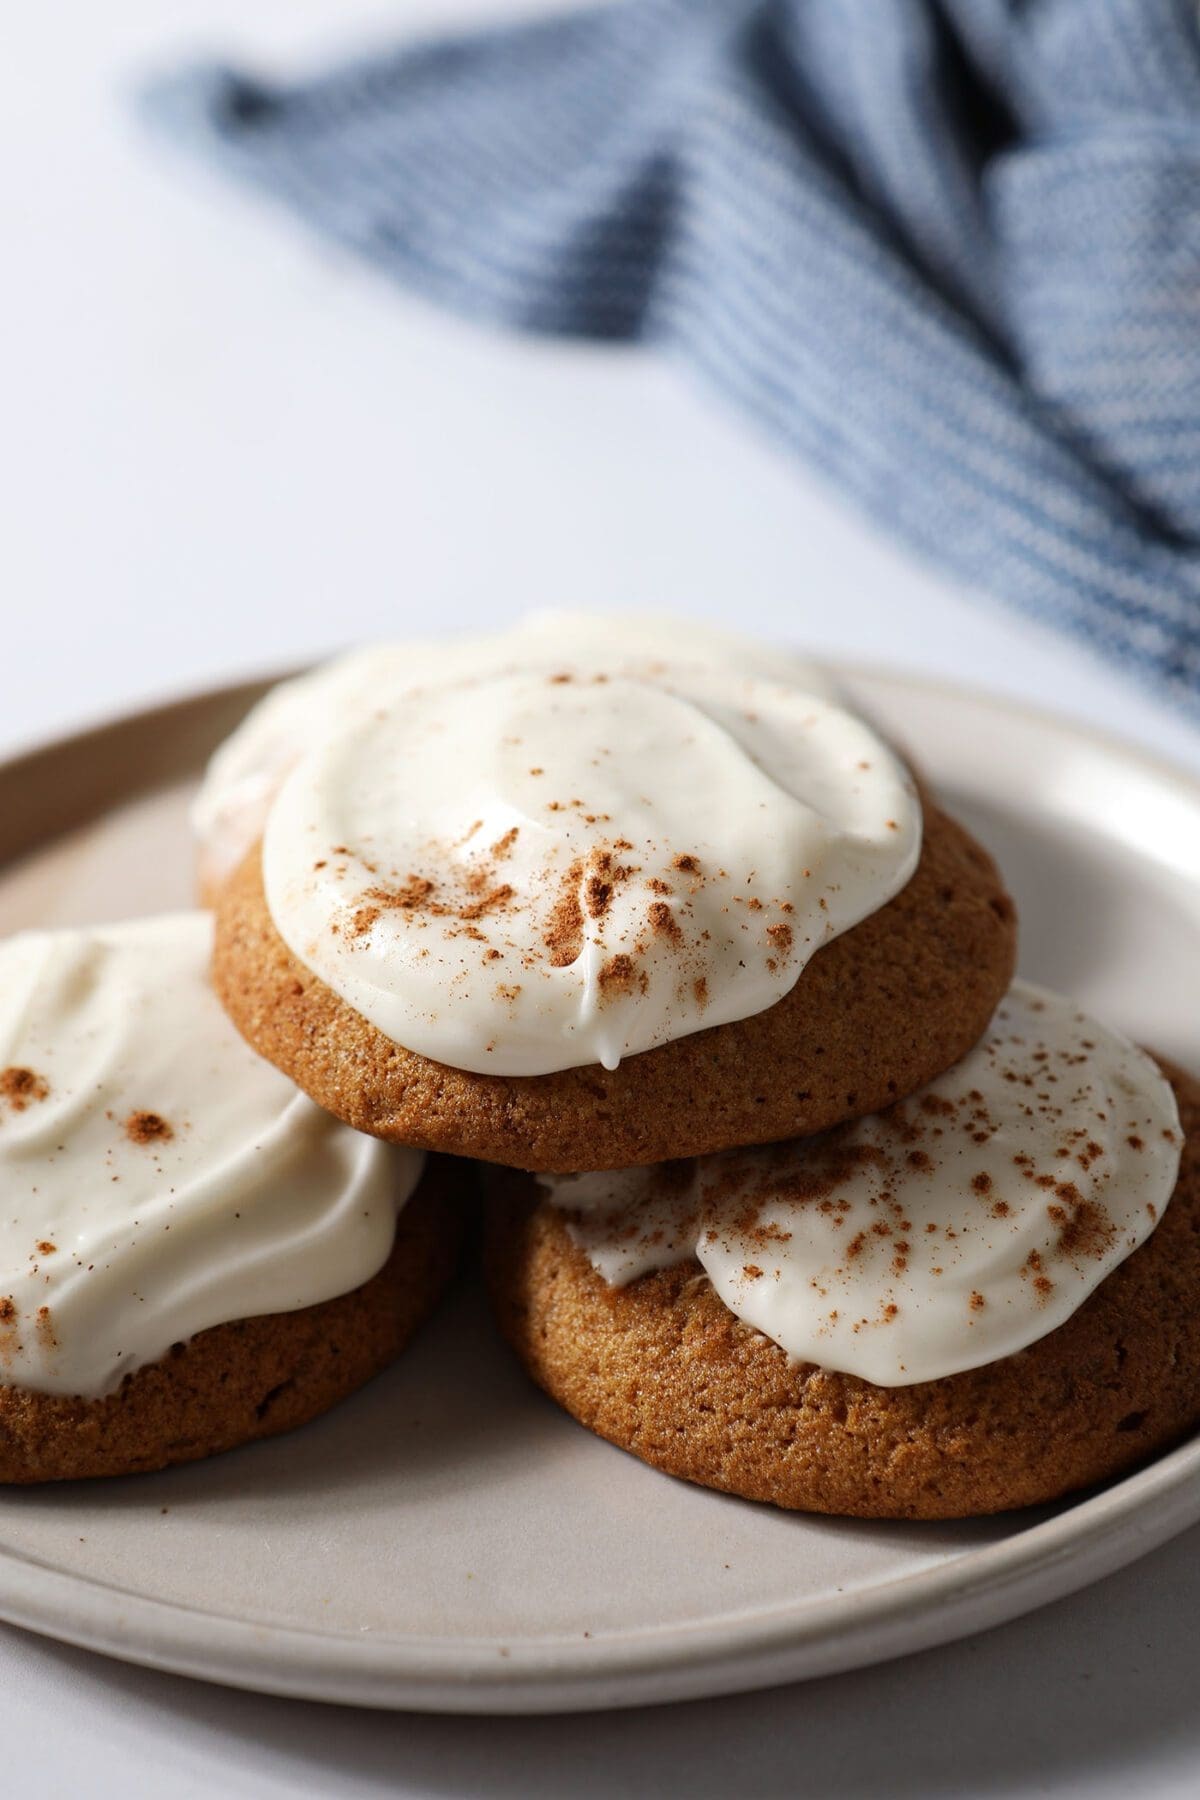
x=947, y=250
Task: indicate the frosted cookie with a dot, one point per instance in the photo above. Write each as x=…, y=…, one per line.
x=192, y=1254
x=244, y=775
x=567, y=920
x=978, y=1300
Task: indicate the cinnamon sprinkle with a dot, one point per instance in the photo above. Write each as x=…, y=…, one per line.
x=22, y=1086
x=664, y=923
x=148, y=1128
x=416, y=893
x=598, y=894
x=621, y=973
x=563, y=936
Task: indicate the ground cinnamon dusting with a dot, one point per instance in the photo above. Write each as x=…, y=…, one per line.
x=664, y=923
x=148, y=1128
x=22, y=1086
x=363, y=920
x=416, y=893
x=598, y=894
x=563, y=936
x=411, y=894
x=1085, y=1228
x=620, y=972
x=489, y=900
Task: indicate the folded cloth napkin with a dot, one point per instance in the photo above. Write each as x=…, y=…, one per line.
x=947, y=250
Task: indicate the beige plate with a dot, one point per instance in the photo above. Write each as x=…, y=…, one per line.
x=448, y=1540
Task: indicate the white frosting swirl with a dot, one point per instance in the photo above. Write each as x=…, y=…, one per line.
x=157, y=1176
x=558, y=866
x=946, y=1233
x=230, y=809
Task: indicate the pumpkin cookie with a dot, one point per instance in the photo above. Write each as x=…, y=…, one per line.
x=1027, y=1253
x=192, y=1254
x=249, y=1378
x=876, y=1012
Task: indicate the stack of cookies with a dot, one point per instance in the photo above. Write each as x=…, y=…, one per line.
x=790, y=1189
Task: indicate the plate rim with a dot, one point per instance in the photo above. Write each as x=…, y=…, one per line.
x=552, y=1674
x=981, y=1588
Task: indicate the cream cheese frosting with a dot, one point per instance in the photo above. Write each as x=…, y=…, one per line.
x=156, y=1176
x=244, y=774
x=950, y=1231
x=570, y=862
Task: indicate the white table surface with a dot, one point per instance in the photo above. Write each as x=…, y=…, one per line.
x=224, y=449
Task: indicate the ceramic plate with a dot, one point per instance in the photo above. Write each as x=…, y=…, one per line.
x=448, y=1540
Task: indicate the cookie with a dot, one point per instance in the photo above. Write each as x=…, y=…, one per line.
x=663, y=1368
x=873, y=1015
x=249, y=1378
x=192, y=1254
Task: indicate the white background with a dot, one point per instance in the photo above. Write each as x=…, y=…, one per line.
x=223, y=449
